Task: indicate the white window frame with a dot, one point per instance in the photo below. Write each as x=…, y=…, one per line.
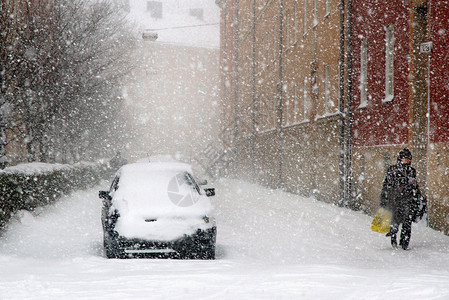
x=305, y=17
x=328, y=8
x=389, y=63
x=363, y=74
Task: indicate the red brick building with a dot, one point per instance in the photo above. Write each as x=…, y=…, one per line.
x=401, y=97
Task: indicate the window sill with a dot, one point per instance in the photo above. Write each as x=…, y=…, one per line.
x=388, y=99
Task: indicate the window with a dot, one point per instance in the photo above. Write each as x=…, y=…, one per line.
x=266, y=53
x=180, y=89
x=327, y=87
x=275, y=46
x=363, y=74
x=296, y=22
x=125, y=5
x=274, y=112
x=181, y=60
x=197, y=12
x=114, y=185
x=261, y=56
x=261, y=114
x=287, y=29
x=200, y=63
x=295, y=104
x=389, y=63
x=306, y=99
x=203, y=89
x=286, y=109
x=266, y=113
x=386, y=163
x=362, y=168
x=313, y=77
x=155, y=8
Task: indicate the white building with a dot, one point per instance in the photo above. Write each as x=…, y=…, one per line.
x=173, y=95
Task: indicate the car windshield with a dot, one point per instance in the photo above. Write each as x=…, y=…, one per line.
x=114, y=184
x=188, y=179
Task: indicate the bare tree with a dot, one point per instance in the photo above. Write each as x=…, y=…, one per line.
x=65, y=61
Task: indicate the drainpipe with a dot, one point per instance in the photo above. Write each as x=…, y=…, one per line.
x=349, y=197
x=345, y=103
x=3, y=142
x=342, y=121
x=429, y=60
x=236, y=81
x=254, y=100
x=280, y=94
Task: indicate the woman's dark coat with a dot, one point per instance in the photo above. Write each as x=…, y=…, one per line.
x=401, y=195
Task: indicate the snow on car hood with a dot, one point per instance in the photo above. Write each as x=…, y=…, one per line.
x=157, y=201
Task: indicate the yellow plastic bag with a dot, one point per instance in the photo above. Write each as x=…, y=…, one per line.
x=382, y=221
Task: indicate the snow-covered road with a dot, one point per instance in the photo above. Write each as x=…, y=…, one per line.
x=271, y=245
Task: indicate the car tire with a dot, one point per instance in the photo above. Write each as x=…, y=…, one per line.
x=109, y=252
x=111, y=247
x=207, y=248
x=209, y=253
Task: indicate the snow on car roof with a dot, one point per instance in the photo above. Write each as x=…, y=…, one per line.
x=152, y=190
x=132, y=169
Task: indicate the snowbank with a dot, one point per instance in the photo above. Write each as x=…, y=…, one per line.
x=27, y=186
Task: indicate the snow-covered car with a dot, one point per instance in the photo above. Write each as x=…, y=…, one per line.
x=158, y=210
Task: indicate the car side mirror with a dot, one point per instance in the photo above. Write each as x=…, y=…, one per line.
x=210, y=192
x=104, y=195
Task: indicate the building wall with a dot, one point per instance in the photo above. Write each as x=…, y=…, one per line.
x=228, y=69
x=438, y=152
x=381, y=122
x=439, y=35
x=299, y=131
x=286, y=93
